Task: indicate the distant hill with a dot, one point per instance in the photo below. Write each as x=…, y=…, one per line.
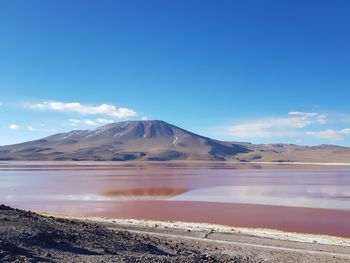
x=130, y=140
x=160, y=141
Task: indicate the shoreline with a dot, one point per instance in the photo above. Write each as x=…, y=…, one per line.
x=275, y=234
x=32, y=237
x=87, y=162
x=303, y=163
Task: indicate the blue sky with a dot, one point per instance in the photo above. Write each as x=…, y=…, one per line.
x=259, y=71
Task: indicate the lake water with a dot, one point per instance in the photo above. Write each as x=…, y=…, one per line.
x=294, y=198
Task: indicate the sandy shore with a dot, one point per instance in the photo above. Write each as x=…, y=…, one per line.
x=330, y=222
x=28, y=237
x=267, y=245
x=218, y=229
x=303, y=163
x=189, y=163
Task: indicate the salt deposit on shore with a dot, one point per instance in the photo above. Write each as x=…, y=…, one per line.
x=220, y=229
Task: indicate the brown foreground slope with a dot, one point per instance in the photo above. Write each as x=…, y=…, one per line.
x=29, y=237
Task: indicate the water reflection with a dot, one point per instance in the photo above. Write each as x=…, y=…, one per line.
x=320, y=189
x=314, y=196
x=204, y=192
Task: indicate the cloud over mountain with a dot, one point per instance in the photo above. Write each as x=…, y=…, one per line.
x=103, y=109
x=331, y=134
x=276, y=126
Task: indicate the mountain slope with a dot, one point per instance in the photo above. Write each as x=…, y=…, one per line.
x=295, y=153
x=146, y=140
x=161, y=141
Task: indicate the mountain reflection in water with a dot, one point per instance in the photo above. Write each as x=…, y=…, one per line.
x=308, y=200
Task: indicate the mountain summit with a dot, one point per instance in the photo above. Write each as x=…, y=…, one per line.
x=129, y=140
x=160, y=141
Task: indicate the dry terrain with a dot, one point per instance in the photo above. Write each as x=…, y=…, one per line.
x=29, y=237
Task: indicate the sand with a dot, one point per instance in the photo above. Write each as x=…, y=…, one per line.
x=205, y=227
x=267, y=245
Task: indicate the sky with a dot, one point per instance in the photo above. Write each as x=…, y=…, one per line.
x=258, y=71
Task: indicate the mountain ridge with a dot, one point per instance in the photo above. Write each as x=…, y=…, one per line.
x=156, y=140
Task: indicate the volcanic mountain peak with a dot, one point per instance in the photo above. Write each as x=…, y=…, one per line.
x=158, y=140
x=138, y=129
x=148, y=140
x=124, y=130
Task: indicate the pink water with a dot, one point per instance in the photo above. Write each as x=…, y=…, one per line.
x=304, y=199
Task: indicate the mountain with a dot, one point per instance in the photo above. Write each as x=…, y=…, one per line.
x=295, y=153
x=130, y=140
x=160, y=141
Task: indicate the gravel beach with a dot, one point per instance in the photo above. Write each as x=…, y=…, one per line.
x=30, y=237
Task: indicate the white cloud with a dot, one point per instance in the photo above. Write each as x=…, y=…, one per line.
x=75, y=121
x=276, y=127
x=331, y=134
x=14, y=127
x=318, y=118
x=96, y=122
x=90, y=122
x=144, y=119
x=104, y=121
x=301, y=113
x=321, y=119
x=267, y=128
x=32, y=129
x=103, y=109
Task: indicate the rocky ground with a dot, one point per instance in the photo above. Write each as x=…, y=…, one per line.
x=29, y=237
